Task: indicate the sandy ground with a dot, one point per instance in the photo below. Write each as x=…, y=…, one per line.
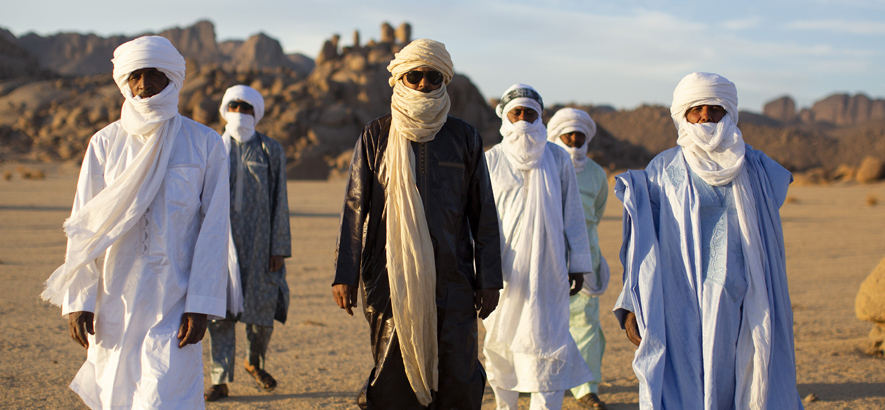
x=321, y=357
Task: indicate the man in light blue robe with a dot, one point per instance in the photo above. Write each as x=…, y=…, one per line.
x=705, y=292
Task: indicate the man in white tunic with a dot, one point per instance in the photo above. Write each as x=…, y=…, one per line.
x=528, y=347
x=152, y=198
x=572, y=129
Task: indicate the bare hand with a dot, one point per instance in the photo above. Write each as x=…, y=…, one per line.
x=485, y=301
x=632, y=328
x=345, y=296
x=192, y=329
x=276, y=263
x=78, y=324
x=576, y=282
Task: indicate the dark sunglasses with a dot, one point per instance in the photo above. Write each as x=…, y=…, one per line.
x=236, y=105
x=433, y=77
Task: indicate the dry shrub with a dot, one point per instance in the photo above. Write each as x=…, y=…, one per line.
x=7, y=175
x=791, y=200
x=28, y=173
x=872, y=200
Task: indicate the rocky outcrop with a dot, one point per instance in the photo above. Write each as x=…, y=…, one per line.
x=843, y=109
x=74, y=54
x=15, y=62
x=870, y=306
x=871, y=169
x=782, y=109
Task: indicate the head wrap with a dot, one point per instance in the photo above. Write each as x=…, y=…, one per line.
x=241, y=126
x=151, y=125
x=569, y=120
x=141, y=115
x=411, y=269
x=715, y=151
x=523, y=142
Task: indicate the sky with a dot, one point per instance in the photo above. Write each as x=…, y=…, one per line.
x=623, y=53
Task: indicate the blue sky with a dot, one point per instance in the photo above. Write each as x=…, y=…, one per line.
x=618, y=52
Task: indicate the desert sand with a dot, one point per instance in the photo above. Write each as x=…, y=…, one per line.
x=320, y=357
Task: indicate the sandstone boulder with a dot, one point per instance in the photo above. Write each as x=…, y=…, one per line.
x=871, y=169
x=870, y=302
x=782, y=109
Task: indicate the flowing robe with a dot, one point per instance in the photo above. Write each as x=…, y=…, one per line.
x=452, y=178
x=260, y=227
x=584, y=324
x=535, y=299
x=684, y=278
x=171, y=262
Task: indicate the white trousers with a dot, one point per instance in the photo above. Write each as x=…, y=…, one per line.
x=545, y=400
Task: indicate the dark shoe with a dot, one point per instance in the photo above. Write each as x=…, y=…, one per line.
x=591, y=401
x=264, y=379
x=216, y=392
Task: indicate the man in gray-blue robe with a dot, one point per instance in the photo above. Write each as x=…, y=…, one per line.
x=259, y=217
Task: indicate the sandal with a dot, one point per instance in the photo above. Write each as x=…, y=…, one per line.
x=216, y=392
x=263, y=378
x=591, y=401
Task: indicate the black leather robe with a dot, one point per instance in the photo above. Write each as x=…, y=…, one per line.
x=453, y=180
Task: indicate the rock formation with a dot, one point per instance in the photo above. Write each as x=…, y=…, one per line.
x=782, y=109
x=870, y=306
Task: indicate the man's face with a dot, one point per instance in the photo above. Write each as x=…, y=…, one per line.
x=147, y=82
x=522, y=114
x=241, y=107
x=574, y=139
x=705, y=113
x=424, y=83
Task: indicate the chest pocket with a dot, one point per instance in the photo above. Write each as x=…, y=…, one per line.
x=183, y=186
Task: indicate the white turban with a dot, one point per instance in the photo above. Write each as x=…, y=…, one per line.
x=519, y=95
x=243, y=93
x=241, y=126
x=523, y=142
x=715, y=151
x=704, y=89
x=569, y=120
x=140, y=116
x=411, y=268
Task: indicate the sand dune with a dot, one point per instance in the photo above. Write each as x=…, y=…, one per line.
x=321, y=357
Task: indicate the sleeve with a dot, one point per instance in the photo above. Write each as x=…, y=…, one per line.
x=574, y=224
x=207, y=283
x=482, y=215
x=348, y=252
x=90, y=183
x=280, y=235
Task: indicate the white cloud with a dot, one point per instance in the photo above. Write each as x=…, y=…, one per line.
x=876, y=28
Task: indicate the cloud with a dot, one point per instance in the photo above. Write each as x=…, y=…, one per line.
x=876, y=28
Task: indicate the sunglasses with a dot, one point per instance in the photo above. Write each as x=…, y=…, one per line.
x=236, y=105
x=433, y=77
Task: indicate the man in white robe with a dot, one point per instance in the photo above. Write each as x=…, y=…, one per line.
x=572, y=129
x=152, y=198
x=544, y=249
x=705, y=294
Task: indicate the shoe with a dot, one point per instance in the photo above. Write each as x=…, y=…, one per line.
x=216, y=392
x=591, y=401
x=264, y=379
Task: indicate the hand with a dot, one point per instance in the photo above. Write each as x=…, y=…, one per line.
x=192, y=329
x=345, y=296
x=632, y=328
x=485, y=301
x=276, y=263
x=78, y=324
x=576, y=282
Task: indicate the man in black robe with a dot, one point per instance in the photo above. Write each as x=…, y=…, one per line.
x=419, y=225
